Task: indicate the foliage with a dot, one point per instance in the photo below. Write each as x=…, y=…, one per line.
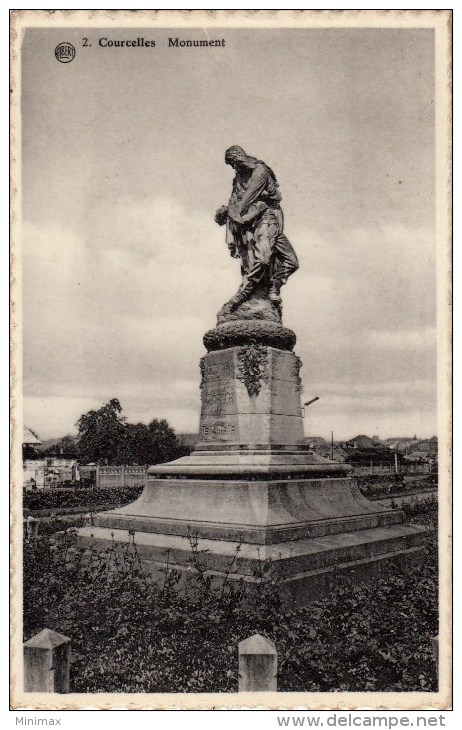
x=66, y=447
x=29, y=452
x=424, y=512
x=106, y=437
x=100, y=433
x=57, y=524
x=151, y=444
x=392, y=485
x=130, y=634
x=377, y=455
x=109, y=497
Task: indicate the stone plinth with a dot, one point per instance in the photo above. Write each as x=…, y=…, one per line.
x=260, y=512
x=251, y=481
x=250, y=397
x=251, y=422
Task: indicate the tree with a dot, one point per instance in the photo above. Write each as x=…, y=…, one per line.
x=101, y=433
x=105, y=437
x=164, y=444
x=152, y=444
x=66, y=447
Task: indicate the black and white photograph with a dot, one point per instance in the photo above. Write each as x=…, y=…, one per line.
x=231, y=268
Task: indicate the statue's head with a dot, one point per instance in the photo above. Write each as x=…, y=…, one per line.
x=234, y=155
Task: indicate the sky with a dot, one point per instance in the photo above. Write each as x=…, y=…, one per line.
x=124, y=268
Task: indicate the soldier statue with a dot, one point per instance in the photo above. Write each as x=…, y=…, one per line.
x=255, y=230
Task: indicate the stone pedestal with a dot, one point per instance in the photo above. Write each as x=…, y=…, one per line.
x=252, y=481
x=250, y=398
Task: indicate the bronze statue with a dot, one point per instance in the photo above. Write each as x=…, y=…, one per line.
x=254, y=230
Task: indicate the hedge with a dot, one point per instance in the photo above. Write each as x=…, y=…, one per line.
x=110, y=497
x=131, y=635
x=376, y=486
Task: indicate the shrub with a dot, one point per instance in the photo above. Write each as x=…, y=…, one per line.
x=110, y=497
x=58, y=524
x=130, y=634
x=389, y=485
x=424, y=511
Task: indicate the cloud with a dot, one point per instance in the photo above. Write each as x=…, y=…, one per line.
x=363, y=304
x=124, y=268
x=117, y=312
x=93, y=303
x=381, y=277
x=120, y=311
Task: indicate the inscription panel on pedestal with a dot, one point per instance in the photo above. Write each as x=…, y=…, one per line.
x=216, y=366
x=218, y=430
x=250, y=395
x=219, y=398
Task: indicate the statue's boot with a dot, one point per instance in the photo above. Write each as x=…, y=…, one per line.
x=274, y=294
x=242, y=295
x=236, y=302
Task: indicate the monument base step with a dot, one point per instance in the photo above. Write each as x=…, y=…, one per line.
x=251, y=462
x=309, y=568
x=253, y=534
x=260, y=512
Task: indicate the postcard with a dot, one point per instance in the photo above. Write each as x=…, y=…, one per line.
x=231, y=337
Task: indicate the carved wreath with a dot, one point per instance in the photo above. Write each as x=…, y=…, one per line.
x=252, y=367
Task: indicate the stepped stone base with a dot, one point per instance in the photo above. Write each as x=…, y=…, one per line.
x=252, y=483
x=310, y=568
x=254, y=512
x=262, y=462
x=313, y=532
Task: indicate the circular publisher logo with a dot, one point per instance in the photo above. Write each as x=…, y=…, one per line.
x=65, y=52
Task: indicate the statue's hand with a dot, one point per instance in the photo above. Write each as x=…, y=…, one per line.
x=221, y=215
x=233, y=252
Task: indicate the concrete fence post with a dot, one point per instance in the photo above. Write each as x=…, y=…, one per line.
x=258, y=661
x=46, y=662
x=32, y=526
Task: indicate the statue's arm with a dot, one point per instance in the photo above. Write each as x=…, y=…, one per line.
x=222, y=218
x=255, y=187
x=231, y=242
x=254, y=211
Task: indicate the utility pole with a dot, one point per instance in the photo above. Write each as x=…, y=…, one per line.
x=332, y=445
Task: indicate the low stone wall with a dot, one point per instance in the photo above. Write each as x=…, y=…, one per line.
x=120, y=476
